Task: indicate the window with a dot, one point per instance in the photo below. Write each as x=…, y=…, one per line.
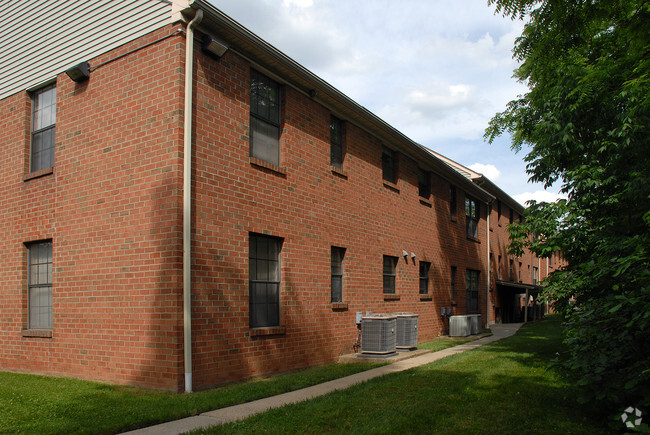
x=471, y=283
x=336, y=142
x=499, y=211
x=390, y=266
x=424, y=183
x=520, y=267
x=512, y=214
x=453, y=282
x=264, y=284
x=535, y=272
x=499, y=268
x=43, y=128
x=265, y=119
x=388, y=165
x=337, y=274
x=472, y=213
x=424, y=277
x=40, y=285
x=453, y=205
x=512, y=270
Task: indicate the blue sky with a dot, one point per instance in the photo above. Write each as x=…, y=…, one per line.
x=435, y=70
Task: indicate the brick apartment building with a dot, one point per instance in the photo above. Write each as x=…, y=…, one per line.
x=123, y=261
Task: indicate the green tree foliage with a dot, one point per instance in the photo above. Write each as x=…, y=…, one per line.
x=586, y=119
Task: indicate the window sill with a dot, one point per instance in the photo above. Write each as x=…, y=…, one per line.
x=426, y=297
x=474, y=239
x=454, y=303
x=391, y=297
x=274, y=330
x=38, y=174
x=266, y=165
x=338, y=171
x=39, y=333
x=391, y=186
x=339, y=306
x=426, y=202
x=453, y=219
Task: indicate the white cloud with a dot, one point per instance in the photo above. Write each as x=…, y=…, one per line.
x=298, y=3
x=489, y=171
x=539, y=196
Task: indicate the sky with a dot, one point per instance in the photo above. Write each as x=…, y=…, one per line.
x=436, y=70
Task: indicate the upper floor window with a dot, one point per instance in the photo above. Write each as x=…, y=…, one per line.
x=337, y=273
x=265, y=118
x=264, y=280
x=499, y=211
x=512, y=216
x=390, y=266
x=535, y=275
x=472, y=214
x=40, y=285
x=453, y=204
x=336, y=142
x=424, y=277
x=43, y=128
x=388, y=165
x=424, y=183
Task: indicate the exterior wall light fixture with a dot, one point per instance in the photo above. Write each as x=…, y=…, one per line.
x=79, y=73
x=213, y=47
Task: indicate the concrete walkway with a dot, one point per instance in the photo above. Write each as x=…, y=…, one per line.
x=240, y=412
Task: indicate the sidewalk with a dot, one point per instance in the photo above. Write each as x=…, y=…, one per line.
x=244, y=410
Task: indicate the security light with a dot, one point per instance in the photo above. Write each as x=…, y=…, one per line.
x=213, y=46
x=79, y=73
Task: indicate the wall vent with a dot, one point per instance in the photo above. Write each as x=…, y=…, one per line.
x=407, y=331
x=378, y=334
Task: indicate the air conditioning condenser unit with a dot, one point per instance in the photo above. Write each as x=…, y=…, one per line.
x=378, y=334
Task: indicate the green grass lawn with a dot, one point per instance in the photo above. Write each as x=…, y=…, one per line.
x=49, y=405
x=501, y=388
x=504, y=387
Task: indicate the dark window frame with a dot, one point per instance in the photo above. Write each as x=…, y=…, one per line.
x=453, y=201
x=388, y=165
x=337, y=256
x=43, y=137
x=472, y=214
x=39, y=285
x=265, y=118
x=264, y=282
x=498, y=211
x=336, y=142
x=452, y=288
x=472, y=289
x=425, y=267
x=390, y=274
x=424, y=183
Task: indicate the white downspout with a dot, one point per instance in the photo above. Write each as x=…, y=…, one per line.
x=187, y=202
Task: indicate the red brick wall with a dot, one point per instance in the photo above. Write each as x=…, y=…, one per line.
x=522, y=271
x=312, y=208
x=111, y=208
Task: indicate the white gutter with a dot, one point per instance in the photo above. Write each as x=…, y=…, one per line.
x=187, y=201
